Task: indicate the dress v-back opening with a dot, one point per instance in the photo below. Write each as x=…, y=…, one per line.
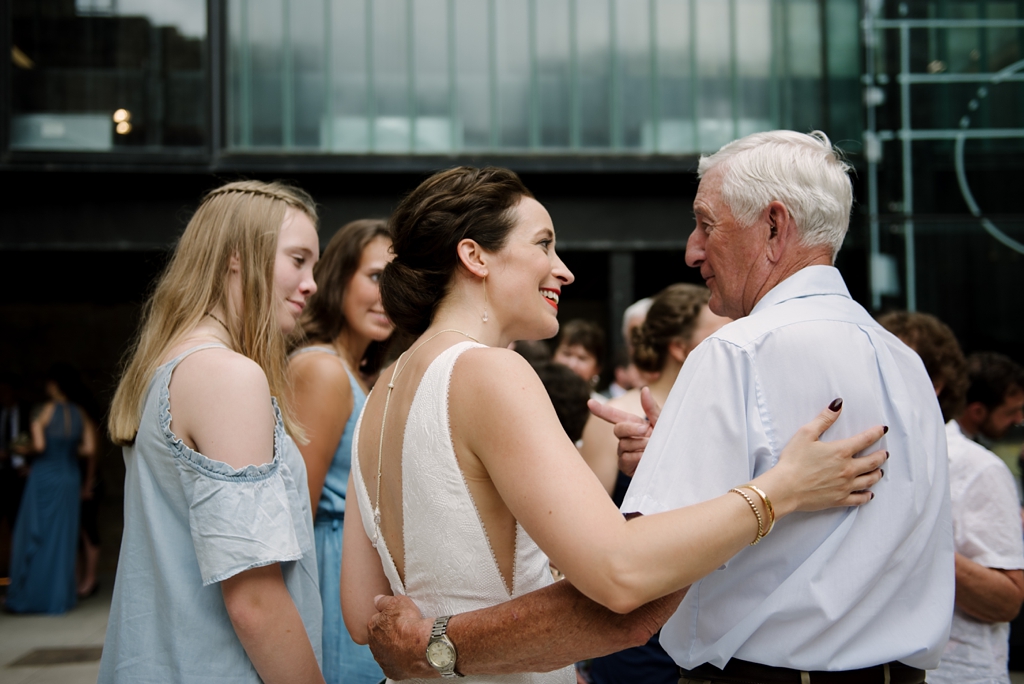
x=450, y=566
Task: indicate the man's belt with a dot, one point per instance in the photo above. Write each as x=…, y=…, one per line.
x=743, y=672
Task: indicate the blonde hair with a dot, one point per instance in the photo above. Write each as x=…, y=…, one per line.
x=240, y=219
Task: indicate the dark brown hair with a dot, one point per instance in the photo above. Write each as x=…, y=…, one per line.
x=450, y=206
x=323, y=320
x=568, y=393
x=588, y=335
x=936, y=344
x=672, y=316
x=992, y=378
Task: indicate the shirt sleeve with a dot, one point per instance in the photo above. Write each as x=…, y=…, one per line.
x=240, y=519
x=710, y=436
x=989, y=526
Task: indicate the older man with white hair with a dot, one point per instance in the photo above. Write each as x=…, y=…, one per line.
x=845, y=595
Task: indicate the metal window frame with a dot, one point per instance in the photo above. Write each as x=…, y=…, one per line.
x=873, y=27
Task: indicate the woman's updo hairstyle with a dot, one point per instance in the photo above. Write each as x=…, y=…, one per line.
x=450, y=206
x=672, y=316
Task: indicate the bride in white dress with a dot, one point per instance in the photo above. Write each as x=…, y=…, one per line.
x=465, y=481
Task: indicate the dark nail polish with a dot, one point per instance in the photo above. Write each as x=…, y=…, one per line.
x=872, y=496
x=836, y=405
x=882, y=472
x=886, y=455
x=885, y=428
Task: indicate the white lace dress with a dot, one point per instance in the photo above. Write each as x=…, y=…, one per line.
x=449, y=564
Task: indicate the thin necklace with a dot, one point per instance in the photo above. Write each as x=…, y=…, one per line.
x=387, y=400
x=218, y=320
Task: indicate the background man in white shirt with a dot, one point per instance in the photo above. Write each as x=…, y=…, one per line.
x=861, y=595
x=986, y=515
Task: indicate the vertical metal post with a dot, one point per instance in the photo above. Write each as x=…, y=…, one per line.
x=327, y=144
x=774, y=79
x=734, y=67
x=453, y=83
x=287, y=91
x=620, y=282
x=655, y=92
x=371, y=86
x=492, y=74
x=694, y=77
x=245, y=78
x=216, y=50
x=410, y=68
x=908, y=173
x=786, y=103
x=873, y=151
x=574, y=77
x=826, y=107
x=534, y=77
x=615, y=96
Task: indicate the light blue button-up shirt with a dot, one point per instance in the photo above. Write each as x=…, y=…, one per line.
x=834, y=590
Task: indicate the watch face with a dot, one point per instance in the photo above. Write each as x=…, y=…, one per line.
x=440, y=654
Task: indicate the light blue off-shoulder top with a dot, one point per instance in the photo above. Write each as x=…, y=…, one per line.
x=189, y=523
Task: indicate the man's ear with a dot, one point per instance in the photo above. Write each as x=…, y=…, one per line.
x=975, y=413
x=677, y=350
x=473, y=257
x=781, y=230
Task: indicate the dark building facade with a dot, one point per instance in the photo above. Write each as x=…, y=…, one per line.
x=118, y=115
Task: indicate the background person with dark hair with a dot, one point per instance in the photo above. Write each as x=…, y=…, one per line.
x=581, y=348
x=995, y=398
x=344, y=327
x=985, y=509
x=569, y=394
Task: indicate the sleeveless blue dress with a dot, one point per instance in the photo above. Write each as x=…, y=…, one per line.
x=345, y=661
x=46, y=532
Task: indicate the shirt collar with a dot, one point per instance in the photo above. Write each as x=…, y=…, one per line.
x=809, y=281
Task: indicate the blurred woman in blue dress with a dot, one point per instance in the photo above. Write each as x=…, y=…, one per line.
x=46, y=533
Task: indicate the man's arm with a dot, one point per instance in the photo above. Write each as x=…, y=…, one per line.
x=539, y=632
x=988, y=594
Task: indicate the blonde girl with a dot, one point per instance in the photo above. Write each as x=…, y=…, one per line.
x=217, y=577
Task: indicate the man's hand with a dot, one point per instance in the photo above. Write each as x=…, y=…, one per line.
x=398, y=638
x=631, y=430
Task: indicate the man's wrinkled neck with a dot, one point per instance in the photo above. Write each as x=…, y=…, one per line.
x=788, y=266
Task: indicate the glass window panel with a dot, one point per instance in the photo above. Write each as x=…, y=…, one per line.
x=714, y=84
x=391, y=105
x=633, y=46
x=753, y=66
x=436, y=129
x=267, y=95
x=348, y=129
x=593, y=34
x=803, y=41
x=675, y=115
x=553, y=62
x=473, y=72
x=100, y=75
x=513, y=68
x=436, y=76
x=309, y=90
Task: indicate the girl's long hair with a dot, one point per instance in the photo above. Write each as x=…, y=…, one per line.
x=240, y=219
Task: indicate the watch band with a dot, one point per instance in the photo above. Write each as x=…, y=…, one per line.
x=438, y=634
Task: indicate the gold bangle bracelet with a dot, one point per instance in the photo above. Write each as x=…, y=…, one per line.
x=767, y=504
x=757, y=514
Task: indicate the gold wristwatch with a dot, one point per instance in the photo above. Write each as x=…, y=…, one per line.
x=441, y=652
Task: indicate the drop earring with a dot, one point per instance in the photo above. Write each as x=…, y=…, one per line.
x=484, y=317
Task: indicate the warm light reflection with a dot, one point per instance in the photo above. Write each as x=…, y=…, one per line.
x=123, y=128
x=122, y=116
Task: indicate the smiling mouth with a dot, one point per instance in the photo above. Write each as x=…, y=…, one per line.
x=551, y=296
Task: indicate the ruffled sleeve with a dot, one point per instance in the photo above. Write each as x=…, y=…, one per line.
x=240, y=518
